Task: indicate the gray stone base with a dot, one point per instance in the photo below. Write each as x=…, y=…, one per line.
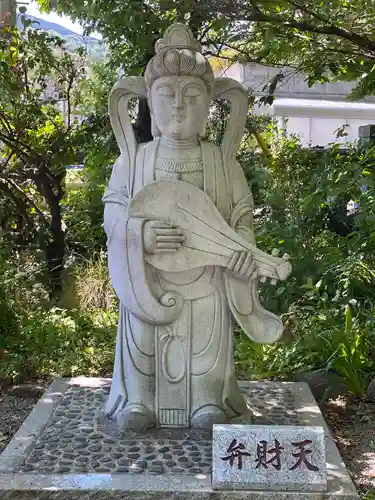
x=62, y=451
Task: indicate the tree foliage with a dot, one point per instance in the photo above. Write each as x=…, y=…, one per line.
x=39, y=136
x=328, y=41
x=318, y=206
x=302, y=196
x=131, y=28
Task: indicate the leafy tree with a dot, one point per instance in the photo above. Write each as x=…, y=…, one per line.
x=326, y=40
x=131, y=29
x=83, y=207
x=317, y=206
x=39, y=136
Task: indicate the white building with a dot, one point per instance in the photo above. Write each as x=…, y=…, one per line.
x=315, y=113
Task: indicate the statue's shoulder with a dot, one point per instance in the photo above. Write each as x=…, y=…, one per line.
x=210, y=146
x=141, y=148
x=146, y=148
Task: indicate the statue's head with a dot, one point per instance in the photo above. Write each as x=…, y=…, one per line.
x=179, y=83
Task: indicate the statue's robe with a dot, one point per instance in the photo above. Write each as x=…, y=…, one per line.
x=201, y=338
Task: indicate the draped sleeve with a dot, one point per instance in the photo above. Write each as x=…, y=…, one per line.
x=127, y=267
x=259, y=324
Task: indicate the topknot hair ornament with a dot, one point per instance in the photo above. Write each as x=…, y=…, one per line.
x=178, y=36
x=178, y=53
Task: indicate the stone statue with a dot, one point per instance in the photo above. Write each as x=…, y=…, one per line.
x=181, y=248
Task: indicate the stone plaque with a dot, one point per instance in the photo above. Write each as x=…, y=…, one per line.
x=274, y=457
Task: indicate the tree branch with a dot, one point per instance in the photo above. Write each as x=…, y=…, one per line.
x=29, y=200
x=244, y=53
x=6, y=162
x=5, y=120
x=12, y=144
x=310, y=12
x=68, y=98
x=258, y=16
x=21, y=205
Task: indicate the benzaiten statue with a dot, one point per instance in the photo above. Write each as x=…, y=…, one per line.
x=181, y=248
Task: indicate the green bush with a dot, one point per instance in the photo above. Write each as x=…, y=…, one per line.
x=37, y=338
x=83, y=218
x=19, y=289
x=302, y=210
x=61, y=342
x=327, y=305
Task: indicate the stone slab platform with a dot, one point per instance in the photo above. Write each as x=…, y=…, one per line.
x=62, y=452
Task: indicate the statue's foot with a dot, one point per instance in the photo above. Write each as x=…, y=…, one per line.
x=206, y=416
x=135, y=417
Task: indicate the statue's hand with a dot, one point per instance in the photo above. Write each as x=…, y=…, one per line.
x=158, y=236
x=275, y=253
x=242, y=266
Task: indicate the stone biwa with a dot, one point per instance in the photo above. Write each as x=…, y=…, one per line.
x=181, y=248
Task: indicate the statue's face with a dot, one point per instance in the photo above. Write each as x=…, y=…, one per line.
x=179, y=106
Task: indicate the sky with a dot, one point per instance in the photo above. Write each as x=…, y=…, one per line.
x=65, y=21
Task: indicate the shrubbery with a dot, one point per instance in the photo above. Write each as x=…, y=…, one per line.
x=37, y=338
x=318, y=206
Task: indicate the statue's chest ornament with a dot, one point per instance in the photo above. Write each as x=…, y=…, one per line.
x=179, y=165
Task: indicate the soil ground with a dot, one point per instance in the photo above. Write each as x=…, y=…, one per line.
x=352, y=424
x=351, y=421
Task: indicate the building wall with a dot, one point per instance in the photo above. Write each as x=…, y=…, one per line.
x=313, y=113
x=256, y=76
x=317, y=121
x=320, y=131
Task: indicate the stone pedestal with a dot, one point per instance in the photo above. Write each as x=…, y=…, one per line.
x=63, y=452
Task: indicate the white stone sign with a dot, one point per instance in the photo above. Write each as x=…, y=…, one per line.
x=275, y=457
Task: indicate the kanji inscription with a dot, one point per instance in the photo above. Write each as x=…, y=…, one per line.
x=301, y=455
x=263, y=452
x=269, y=457
x=235, y=452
